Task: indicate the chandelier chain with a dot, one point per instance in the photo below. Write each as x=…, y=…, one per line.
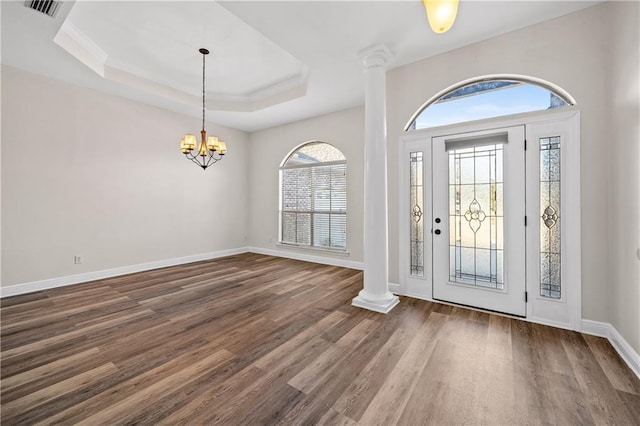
x=203, y=93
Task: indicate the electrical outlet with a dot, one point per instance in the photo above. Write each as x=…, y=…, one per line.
x=77, y=260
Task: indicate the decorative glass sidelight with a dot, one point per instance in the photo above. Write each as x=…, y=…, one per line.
x=416, y=209
x=476, y=216
x=550, y=285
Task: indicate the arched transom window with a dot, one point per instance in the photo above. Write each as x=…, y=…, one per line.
x=486, y=98
x=313, y=197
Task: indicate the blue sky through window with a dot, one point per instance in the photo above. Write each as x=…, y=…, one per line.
x=496, y=103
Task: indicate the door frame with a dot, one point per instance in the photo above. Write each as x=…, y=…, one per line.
x=566, y=313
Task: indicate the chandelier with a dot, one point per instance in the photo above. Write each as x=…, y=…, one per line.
x=441, y=14
x=211, y=149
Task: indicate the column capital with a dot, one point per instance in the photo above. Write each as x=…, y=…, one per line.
x=375, y=56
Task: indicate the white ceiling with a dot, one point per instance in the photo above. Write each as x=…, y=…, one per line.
x=270, y=62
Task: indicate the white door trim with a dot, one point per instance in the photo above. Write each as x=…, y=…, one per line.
x=543, y=309
x=412, y=285
x=571, y=248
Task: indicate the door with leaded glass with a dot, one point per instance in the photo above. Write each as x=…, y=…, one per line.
x=478, y=219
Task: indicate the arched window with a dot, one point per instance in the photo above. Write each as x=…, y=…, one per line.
x=313, y=197
x=487, y=97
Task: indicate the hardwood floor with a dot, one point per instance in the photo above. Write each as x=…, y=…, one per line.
x=253, y=339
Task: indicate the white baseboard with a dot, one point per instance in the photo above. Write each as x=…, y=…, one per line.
x=556, y=324
x=595, y=328
x=624, y=349
x=630, y=356
x=30, y=287
x=308, y=257
x=395, y=289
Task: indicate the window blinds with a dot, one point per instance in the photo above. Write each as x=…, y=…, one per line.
x=314, y=205
x=475, y=141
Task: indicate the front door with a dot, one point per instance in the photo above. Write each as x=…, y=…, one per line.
x=478, y=219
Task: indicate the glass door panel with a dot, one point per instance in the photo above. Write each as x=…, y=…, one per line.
x=550, y=285
x=474, y=220
x=416, y=210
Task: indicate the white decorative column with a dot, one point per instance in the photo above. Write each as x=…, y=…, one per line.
x=375, y=295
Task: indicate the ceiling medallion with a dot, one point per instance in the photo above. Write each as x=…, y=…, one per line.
x=211, y=149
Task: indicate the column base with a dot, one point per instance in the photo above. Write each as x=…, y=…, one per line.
x=383, y=305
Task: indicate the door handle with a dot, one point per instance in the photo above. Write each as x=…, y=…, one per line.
x=437, y=220
x=437, y=231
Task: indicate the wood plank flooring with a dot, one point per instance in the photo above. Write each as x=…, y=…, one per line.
x=253, y=339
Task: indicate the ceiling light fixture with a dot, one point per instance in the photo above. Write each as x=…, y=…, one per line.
x=441, y=14
x=211, y=149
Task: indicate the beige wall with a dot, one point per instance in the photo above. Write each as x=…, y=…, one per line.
x=84, y=173
x=624, y=197
x=344, y=130
x=96, y=175
x=571, y=52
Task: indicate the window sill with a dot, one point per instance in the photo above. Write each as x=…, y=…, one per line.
x=326, y=250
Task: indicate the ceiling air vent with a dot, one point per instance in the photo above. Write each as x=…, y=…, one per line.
x=48, y=7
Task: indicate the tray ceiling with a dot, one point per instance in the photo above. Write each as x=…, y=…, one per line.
x=150, y=45
x=271, y=62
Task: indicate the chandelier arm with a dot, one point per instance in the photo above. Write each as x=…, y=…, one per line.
x=196, y=161
x=212, y=160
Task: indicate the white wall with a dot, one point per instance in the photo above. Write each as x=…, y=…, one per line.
x=84, y=173
x=624, y=197
x=344, y=130
x=570, y=51
x=101, y=176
